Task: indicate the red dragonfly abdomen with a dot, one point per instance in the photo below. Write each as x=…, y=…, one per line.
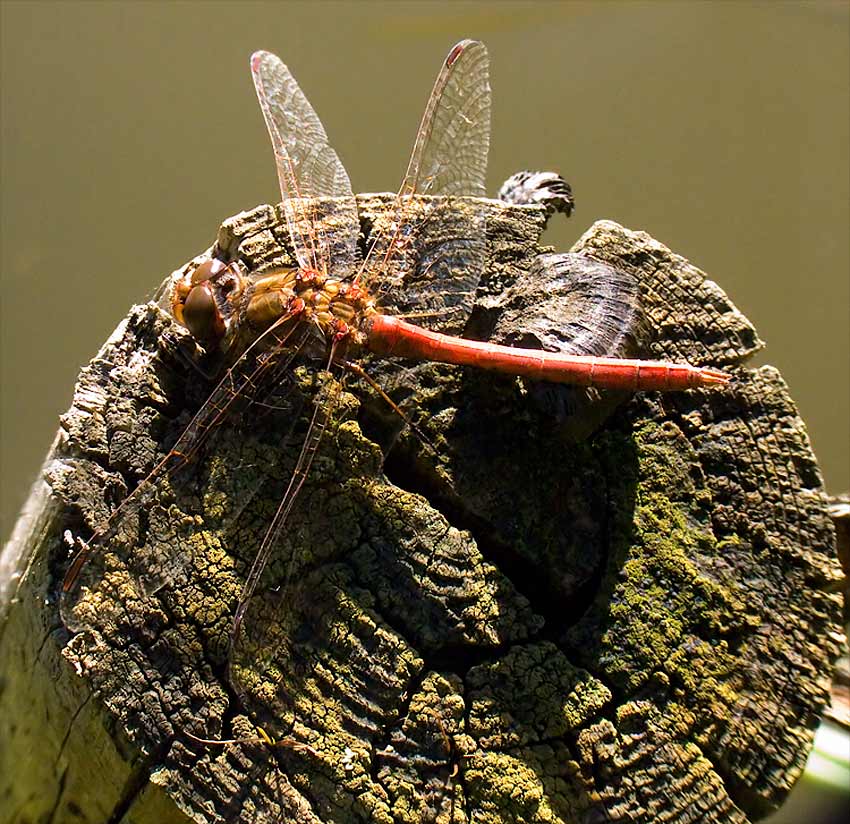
x=388, y=335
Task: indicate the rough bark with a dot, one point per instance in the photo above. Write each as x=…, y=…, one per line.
x=570, y=607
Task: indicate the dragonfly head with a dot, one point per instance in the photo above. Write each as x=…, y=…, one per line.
x=204, y=301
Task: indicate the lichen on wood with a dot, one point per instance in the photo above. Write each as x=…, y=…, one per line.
x=521, y=620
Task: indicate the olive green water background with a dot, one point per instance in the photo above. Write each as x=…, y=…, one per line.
x=130, y=130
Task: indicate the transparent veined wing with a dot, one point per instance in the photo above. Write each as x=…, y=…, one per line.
x=428, y=256
x=307, y=168
x=449, y=156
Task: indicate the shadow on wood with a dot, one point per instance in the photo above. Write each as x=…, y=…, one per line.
x=592, y=608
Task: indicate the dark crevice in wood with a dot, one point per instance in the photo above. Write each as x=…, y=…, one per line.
x=136, y=782
x=405, y=470
x=673, y=592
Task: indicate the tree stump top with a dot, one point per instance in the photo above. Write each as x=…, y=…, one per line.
x=572, y=607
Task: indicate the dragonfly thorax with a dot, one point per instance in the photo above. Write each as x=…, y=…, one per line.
x=226, y=310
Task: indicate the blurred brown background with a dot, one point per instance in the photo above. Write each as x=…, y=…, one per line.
x=129, y=130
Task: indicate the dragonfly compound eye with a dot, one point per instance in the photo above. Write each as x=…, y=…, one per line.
x=208, y=270
x=202, y=317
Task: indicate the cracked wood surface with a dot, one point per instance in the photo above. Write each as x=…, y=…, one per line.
x=583, y=607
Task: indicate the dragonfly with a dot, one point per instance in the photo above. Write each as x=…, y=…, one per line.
x=327, y=306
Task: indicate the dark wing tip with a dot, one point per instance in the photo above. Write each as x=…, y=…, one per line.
x=459, y=48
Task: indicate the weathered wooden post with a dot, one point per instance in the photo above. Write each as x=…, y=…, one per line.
x=581, y=616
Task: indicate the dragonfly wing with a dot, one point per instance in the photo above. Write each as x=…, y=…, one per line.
x=433, y=263
x=148, y=537
x=581, y=306
x=450, y=153
x=427, y=257
x=307, y=168
x=324, y=405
